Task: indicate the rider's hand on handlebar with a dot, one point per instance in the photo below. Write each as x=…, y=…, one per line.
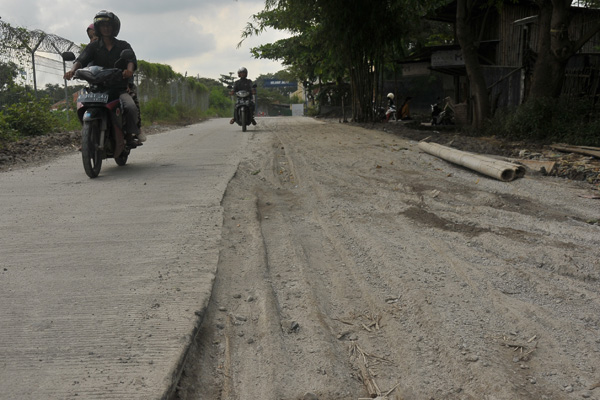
x=68, y=75
x=127, y=74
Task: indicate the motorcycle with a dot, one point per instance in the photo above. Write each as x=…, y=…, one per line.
x=378, y=113
x=243, y=108
x=441, y=116
x=102, y=116
x=391, y=114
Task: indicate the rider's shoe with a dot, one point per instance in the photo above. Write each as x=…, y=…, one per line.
x=253, y=121
x=132, y=141
x=231, y=121
x=141, y=136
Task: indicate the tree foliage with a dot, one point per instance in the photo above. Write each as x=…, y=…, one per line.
x=334, y=40
x=8, y=74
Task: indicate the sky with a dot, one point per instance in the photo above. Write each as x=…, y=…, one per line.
x=197, y=37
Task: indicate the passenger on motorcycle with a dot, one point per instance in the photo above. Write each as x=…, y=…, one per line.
x=91, y=32
x=104, y=53
x=244, y=84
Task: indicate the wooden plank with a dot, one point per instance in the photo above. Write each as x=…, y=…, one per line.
x=586, y=150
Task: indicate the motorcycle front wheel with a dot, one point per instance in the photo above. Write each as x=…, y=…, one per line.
x=122, y=159
x=90, y=153
x=243, y=118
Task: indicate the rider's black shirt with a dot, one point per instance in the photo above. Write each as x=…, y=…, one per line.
x=97, y=53
x=242, y=84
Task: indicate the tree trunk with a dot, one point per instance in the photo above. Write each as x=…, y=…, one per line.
x=554, y=49
x=468, y=45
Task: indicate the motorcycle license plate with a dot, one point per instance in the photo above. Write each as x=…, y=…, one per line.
x=93, y=98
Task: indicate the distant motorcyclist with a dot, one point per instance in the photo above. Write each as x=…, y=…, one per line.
x=244, y=84
x=104, y=53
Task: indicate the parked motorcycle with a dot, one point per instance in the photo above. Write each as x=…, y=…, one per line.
x=101, y=114
x=243, y=108
x=441, y=116
x=378, y=113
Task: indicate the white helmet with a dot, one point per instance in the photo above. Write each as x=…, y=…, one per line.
x=390, y=96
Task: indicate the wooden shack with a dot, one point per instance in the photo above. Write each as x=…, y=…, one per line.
x=507, y=51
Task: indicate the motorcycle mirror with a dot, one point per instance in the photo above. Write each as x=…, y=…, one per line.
x=127, y=54
x=68, y=56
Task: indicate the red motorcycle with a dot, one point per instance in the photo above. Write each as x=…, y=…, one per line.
x=101, y=114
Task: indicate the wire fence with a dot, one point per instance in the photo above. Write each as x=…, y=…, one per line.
x=176, y=92
x=36, y=57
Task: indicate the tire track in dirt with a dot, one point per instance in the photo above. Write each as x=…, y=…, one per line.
x=340, y=239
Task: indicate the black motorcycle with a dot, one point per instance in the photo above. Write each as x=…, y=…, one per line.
x=243, y=108
x=101, y=114
x=441, y=116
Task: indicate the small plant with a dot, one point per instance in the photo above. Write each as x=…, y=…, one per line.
x=31, y=116
x=156, y=110
x=7, y=134
x=549, y=120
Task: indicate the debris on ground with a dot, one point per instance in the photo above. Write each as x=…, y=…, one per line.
x=571, y=165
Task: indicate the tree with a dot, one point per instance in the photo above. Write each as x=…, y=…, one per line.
x=466, y=12
x=555, y=47
x=8, y=74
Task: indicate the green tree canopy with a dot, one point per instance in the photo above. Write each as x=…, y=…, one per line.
x=333, y=40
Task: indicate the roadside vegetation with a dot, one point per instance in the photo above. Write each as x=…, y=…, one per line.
x=547, y=120
x=24, y=113
x=344, y=53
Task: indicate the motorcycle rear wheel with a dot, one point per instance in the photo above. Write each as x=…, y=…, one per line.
x=90, y=153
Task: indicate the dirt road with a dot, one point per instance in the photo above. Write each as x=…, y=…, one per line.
x=353, y=265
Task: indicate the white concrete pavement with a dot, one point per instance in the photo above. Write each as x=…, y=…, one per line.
x=103, y=281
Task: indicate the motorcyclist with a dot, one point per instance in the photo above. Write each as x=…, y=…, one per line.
x=244, y=84
x=104, y=53
x=391, y=108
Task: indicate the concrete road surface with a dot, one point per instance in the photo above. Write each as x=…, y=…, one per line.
x=103, y=281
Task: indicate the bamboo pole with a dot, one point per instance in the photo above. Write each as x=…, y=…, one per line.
x=497, y=169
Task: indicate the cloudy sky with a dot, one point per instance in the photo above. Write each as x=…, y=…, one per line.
x=199, y=37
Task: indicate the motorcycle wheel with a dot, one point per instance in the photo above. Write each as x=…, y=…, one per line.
x=243, y=119
x=122, y=159
x=90, y=141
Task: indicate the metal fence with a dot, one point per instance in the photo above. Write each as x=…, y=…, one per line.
x=34, y=52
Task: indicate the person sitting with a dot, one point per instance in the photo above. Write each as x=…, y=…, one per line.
x=405, y=109
x=243, y=84
x=104, y=53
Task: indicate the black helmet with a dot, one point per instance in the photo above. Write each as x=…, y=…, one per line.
x=242, y=70
x=107, y=16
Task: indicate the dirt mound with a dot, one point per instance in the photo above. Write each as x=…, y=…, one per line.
x=37, y=149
